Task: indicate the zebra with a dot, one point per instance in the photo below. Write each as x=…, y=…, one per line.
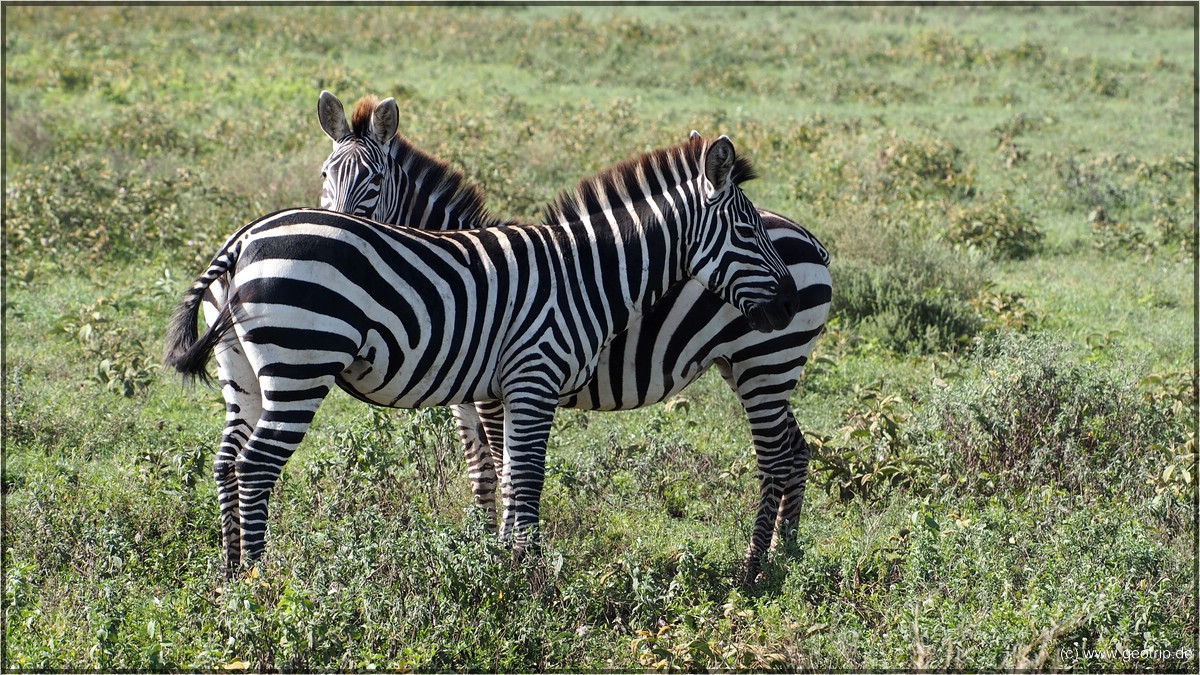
x=408, y=318
x=376, y=172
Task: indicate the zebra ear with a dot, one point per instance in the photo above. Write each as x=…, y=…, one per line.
x=718, y=163
x=385, y=120
x=694, y=135
x=332, y=117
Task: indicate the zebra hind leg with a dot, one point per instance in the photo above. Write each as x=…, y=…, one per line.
x=481, y=468
x=243, y=408
x=287, y=414
x=793, y=491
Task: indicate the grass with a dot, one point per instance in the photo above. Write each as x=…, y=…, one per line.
x=1003, y=408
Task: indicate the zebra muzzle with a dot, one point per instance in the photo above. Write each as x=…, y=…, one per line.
x=777, y=312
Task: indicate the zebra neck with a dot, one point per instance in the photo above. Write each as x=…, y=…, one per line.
x=424, y=192
x=635, y=265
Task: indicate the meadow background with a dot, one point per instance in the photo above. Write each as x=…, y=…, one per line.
x=1002, y=409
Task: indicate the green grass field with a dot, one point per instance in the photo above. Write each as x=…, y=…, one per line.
x=1002, y=409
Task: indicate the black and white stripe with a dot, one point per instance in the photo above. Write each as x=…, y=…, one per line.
x=688, y=330
x=403, y=317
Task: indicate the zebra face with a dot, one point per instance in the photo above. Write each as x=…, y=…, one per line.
x=736, y=258
x=354, y=175
x=352, y=178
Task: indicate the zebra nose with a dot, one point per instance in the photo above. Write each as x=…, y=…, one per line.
x=766, y=317
x=777, y=312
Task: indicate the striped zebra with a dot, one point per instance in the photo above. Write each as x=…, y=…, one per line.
x=406, y=318
x=375, y=172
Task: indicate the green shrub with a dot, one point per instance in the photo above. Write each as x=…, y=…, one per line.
x=1131, y=202
x=1004, y=310
x=905, y=293
x=1111, y=236
x=872, y=455
x=997, y=226
x=941, y=46
x=1036, y=415
x=930, y=166
x=84, y=210
x=124, y=362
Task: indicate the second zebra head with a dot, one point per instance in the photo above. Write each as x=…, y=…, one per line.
x=373, y=171
x=738, y=260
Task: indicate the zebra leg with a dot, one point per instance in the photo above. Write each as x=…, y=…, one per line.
x=481, y=468
x=491, y=413
x=764, y=397
x=793, y=491
x=243, y=408
x=527, y=422
x=287, y=413
x=772, y=449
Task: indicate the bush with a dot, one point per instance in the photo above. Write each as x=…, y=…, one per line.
x=941, y=46
x=84, y=210
x=1131, y=202
x=124, y=363
x=996, y=226
x=1036, y=416
x=873, y=456
x=910, y=295
x=925, y=166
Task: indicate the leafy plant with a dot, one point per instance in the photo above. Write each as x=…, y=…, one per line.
x=123, y=366
x=1004, y=310
x=925, y=166
x=997, y=226
x=1111, y=236
x=873, y=457
x=904, y=311
x=1178, y=474
x=1034, y=416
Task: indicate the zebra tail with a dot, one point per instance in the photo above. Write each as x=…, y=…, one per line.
x=185, y=352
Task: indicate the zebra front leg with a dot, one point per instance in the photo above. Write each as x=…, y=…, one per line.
x=288, y=409
x=793, y=491
x=481, y=468
x=527, y=423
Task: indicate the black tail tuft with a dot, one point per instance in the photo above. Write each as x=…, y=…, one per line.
x=185, y=352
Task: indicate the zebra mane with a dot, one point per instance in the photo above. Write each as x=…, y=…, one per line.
x=436, y=174
x=583, y=199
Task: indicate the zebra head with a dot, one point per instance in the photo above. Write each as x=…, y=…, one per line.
x=354, y=176
x=732, y=254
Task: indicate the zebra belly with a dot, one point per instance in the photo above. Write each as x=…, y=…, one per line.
x=673, y=343
x=397, y=378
